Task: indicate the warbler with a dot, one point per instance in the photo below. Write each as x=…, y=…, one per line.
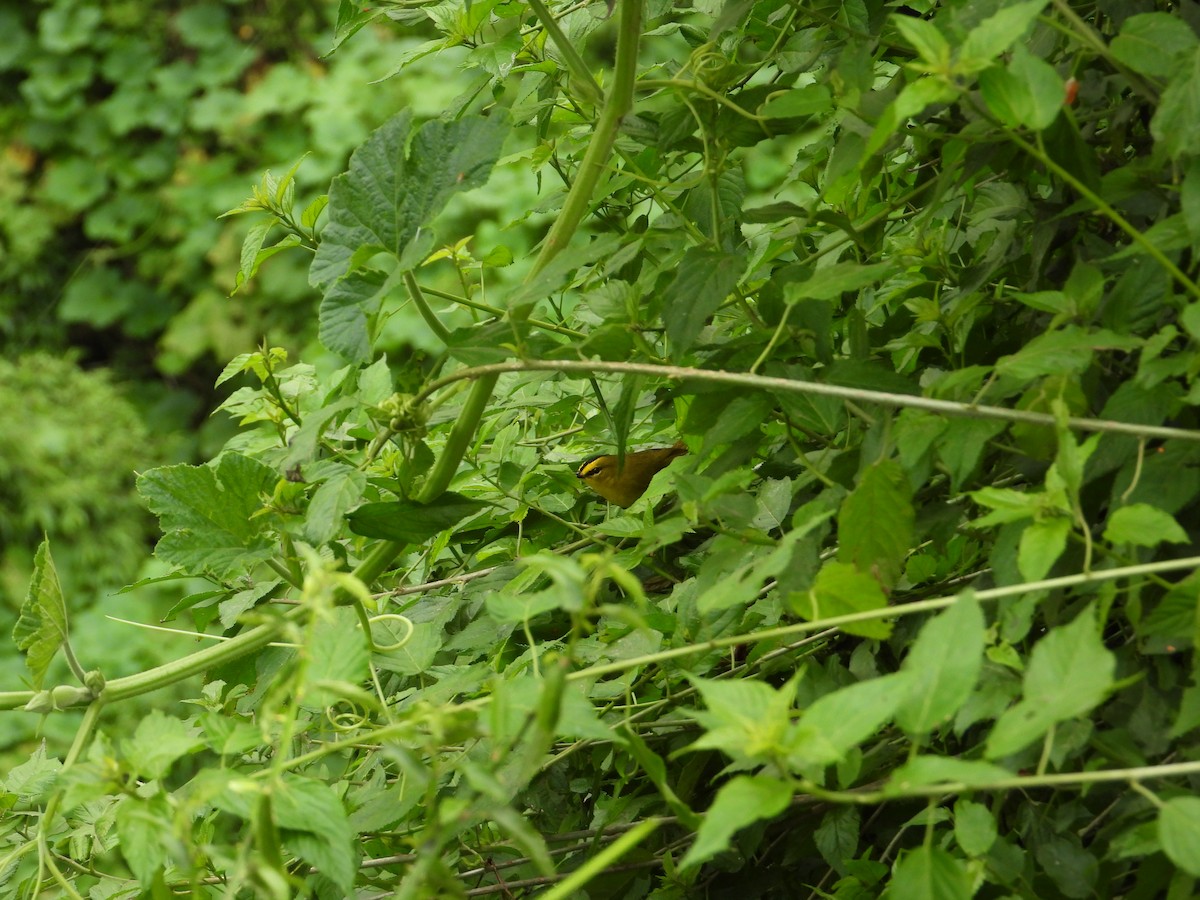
x=624, y=484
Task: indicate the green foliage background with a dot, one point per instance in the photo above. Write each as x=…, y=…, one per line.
x=915, y=617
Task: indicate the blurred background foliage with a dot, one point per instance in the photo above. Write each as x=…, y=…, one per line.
x=129, y=128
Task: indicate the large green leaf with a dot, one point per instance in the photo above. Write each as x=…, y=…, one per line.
x=208, y=513
x=1070, y=673
x=397, y=182
x=875, y=524
x=704, y=280
x=941, y=680
x=42, y=625
x=411, y=522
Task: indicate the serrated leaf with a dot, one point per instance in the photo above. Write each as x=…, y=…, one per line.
x=157, y=742
x=142, y=825
x=875, y=523
x=347, y=311
x=741, y=801
x=331, y=501
x=837, y=836
x=408, y=521
x=309, y=806
x=997, y=33
x=924, y=770
x=1068, y=351
x=337, y=652
x=745, y=719
x=704, y=279
x=398, y=180
x=943, y=681
x=208, y=513
x=41, y=627
x=804, y=101
x=830, y=282
x=1176, y=122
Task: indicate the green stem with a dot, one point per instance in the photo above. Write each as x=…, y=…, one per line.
x=885, y=612
x=210, y=657
x=771, y=383
x=378, y=560
x=616, y=105
x=498, y=312
x=418, y=299
x=1017, y=782
x=570, y=55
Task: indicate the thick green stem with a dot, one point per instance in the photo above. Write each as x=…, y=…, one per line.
x=575, y=64
x=210, y=657
x=418, y=299
x=618, y=102
x=439, y=479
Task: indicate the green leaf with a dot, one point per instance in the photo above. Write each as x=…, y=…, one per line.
x=335, y=497
x=347, y=312
x=875, y=524
x=941, y=682
x=337, y=654
x=208, y=513
x=809, y=100
x=1176, y=123
x=410, y=522
x=924, y=37
x=158, y=741
x=1070, y=672
x=843, y=719
x=837, y=836
x=1143, y=525
x=962, y=444
x=830, y=282
x=992, y=37
x=397, y=183
x=309, y=806
x=839, y=590
x=974, y=827
x=704, y=279
x=929, y=873
x=143, y=826
x=1179, y=832
x=1007, y=505
x=42, y=625
x=741, y=801
x=1065, y=352
x=1151, y=43
x=744, y=719
x=1042, y=543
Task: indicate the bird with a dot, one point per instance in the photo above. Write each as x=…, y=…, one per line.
x=624, y=484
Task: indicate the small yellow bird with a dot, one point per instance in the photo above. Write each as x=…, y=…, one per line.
x=624, y=485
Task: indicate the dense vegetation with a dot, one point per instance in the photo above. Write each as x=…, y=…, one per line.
x=915, y=616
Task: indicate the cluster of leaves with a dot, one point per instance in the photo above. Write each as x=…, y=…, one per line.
x=918, y=293
x=69, y=446
x=131, y=127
